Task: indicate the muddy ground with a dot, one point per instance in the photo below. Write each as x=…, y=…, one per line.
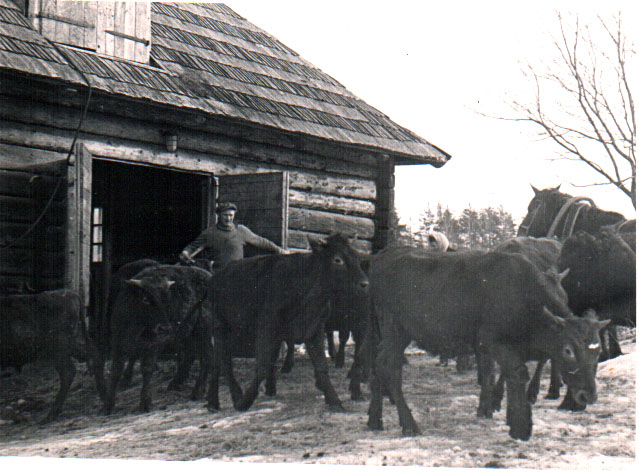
x=295, y=426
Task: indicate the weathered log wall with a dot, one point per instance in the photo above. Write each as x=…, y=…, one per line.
x=31, y=257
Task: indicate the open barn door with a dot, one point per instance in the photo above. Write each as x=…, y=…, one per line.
x=78, y=222
x=262, y=203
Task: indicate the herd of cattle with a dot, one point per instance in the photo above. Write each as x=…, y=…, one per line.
x=532, y=298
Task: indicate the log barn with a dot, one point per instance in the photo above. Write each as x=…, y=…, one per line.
x=123, y=123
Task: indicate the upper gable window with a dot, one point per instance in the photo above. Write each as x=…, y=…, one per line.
x=120, y=29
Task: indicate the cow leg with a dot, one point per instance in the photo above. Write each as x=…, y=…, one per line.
x=535, y=382
x=330, y=342
x=271, y=388
x=555, y=381
x=213, y=397
x=147, y=365
x=518, y=410
x=127, y=375
x=205, y=363
x=315, y=348
x=66, y=372
x=264, y=346
x=339, y=357
x=388, y=367
x=490, y=395
x=117, y=366
x=185, y=360
x=613, y=347
x=290, y=357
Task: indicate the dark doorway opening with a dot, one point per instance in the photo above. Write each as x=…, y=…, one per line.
x=147, y=212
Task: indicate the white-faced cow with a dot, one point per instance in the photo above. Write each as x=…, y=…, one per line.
x=159, y=307
x=497, y=302
x=274, y=298
x=46, y=326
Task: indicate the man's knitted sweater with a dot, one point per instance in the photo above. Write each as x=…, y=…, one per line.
x=224, y=244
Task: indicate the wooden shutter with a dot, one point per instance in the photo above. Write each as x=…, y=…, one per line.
x=262, y=203
x=66, y=22
x=78, y=222
x=124, y=30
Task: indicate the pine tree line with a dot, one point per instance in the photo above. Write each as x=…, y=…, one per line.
x=472, y=229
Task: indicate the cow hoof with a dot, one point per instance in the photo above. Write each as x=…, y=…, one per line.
x=145, y=407
x=485, y=413
x=357, y=397
x=285, y=369
x=552, y=395
x=374, y=424
x=521, y=433
x=339, y=409
x=411, y=431
x=212, y=408
x=173, y=386
x=48, y=419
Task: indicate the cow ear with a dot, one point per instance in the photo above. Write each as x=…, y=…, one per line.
x=316, y=244
x=556, y=188
x=535, y=190
x=134, y=282
x=553, y=319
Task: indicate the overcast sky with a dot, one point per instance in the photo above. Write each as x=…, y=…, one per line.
x=438, y=68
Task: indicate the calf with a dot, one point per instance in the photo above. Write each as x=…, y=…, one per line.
x=47, y=326
x=159, y=307
x=279, y=297
x=497, y=302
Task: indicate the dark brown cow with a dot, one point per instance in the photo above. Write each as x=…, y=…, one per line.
x=46, y=326
x=497, y=302
x=279, y=297
x=159, y=307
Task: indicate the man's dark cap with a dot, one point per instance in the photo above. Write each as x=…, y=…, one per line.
x=223, y=206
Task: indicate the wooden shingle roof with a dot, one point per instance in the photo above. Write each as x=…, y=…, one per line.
x=211, y=59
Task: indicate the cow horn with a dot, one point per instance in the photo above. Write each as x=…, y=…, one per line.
x=535, y=190
x=563, y=274
x=603, y=323
x=169, y=284
x=134, y=282
x=556, y=188
x=553, y=318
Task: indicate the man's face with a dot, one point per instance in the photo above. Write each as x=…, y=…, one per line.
x=227, y=217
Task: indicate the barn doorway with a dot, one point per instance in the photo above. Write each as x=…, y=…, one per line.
x=142, y=212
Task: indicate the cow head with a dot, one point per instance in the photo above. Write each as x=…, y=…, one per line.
x=575, y=348
x=152, y=292
x=341, y=263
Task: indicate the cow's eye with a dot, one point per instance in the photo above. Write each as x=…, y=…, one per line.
x=568, y=352
x=338, y=260
x=146, y=300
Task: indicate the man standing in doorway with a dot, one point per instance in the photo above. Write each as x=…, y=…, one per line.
x=225, y=241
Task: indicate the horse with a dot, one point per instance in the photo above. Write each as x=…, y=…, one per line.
x=553, y=214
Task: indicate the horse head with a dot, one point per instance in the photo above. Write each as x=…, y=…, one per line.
x=542, y=210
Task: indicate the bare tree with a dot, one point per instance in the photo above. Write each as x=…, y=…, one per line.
x=584, y=102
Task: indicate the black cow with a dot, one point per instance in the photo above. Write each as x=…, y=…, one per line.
x=602, y=276
x=497, y=302
x=102, y=330
x=279, y=297
x=159, y=307
x=46, y=326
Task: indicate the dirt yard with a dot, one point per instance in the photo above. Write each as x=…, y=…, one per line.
x=296, y=427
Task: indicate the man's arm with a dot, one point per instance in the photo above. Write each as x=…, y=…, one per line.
x=195, y=246
x=260, y=242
